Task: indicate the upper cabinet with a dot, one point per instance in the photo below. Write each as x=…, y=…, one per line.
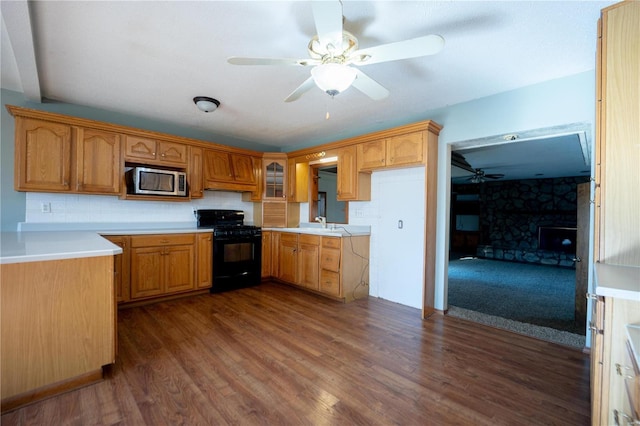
x=230, y=171
x=196, y=178
x=98, y=166
x=151, y=151
x=274, y=172
x=395, y=151
x=352, y=185
x=55, y=157
x=617, y=223
x=42, y=155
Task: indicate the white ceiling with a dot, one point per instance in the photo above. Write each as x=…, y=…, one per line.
x=149, y=59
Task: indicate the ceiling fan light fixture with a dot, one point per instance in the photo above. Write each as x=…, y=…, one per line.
x=206, y=104
x=333, y=78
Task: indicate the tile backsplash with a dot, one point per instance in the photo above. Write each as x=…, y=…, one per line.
x=74, y=208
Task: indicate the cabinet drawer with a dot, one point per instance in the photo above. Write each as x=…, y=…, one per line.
x=330, y=282
x=309, y=239
x=288, y=237
x=330, y=259
x=161, y=240
x=331, y=242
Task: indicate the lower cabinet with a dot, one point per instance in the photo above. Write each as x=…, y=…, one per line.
x=161, y=265
x=337, y=267
x=615, y=380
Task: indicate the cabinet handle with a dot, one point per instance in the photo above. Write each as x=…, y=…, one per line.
x=628, y=420
x=164, y=241
x=619, y=369
x=592, y=327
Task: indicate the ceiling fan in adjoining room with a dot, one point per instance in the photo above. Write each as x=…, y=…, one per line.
x=334, y=52
x=479, y=176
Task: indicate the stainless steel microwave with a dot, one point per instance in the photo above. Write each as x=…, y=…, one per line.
x=149, y=181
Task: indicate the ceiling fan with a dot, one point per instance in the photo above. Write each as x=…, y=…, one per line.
x=334, y=52
x=479, y=176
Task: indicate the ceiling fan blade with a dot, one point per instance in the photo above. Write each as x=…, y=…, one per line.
x=412, y=48
x=369, y=86
x=235, y=60
x=328, y=18
x=301, y=90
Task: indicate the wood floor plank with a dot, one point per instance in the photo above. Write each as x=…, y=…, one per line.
x=273, y=354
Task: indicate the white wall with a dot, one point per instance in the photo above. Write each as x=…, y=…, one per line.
x=72, y=208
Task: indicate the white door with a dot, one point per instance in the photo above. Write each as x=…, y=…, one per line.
x=400, y=235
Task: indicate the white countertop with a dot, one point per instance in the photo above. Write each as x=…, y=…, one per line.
x=316, y=229
x=53, y=241
x=20, y=247
x=618, y=281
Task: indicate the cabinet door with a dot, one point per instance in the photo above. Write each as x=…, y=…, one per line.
x=309, y=261
x=205, y=261
x=196, y=188
x=371, y=155
x=288, y=258
x=274, y=214
x=43, y=155
x=137, y=148
x=217, y=166
x=274, y=178
x=266, y=254
x=147, y=272
x=405, y=149
x=121, y=271
x=178, y=267
x=98, y=167
x=347, y=174
x=243, y=168
x=171, y=152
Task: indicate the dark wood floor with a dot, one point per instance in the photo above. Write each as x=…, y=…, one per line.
x=276, y=355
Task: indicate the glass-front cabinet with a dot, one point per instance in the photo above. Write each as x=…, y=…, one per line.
x=274, y=171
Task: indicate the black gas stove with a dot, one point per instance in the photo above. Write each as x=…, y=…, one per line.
x=226, y=223
x=237, y=249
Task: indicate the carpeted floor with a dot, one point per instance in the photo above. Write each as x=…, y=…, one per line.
x=528, y=294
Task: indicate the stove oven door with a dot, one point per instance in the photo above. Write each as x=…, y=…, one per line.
x=236, y=261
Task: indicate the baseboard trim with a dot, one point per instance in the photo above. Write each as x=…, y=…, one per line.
x=17, y=401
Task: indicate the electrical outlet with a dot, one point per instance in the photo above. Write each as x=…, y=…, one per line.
x=359, y=213
x=45, y=207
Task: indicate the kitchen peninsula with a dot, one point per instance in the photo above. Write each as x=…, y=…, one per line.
x=58, y=311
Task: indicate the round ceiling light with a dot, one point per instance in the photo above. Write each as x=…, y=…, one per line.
x=206, y=104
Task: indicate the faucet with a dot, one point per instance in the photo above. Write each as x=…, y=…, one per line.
x=322, y=220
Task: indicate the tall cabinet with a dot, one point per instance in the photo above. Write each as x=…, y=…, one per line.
x=617, y=223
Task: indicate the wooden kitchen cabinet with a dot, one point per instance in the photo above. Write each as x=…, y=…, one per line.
x=299, y=259
x=98, y=164
x=204, y=267
x=121, y=267
x=610, y=364
x=228, y=171
x=288, y=258
x=371, y=155
x=161, y=264
x=352, y=185
x=42, y=156
x=617, y=128
x=196, y=178
x=274, y=172
x=58, y=326
x=266, y=270
x=55, y=157
x=157, y=152
x=336, y=267
x=395, y=151
x=309, y=261
x=297, y=181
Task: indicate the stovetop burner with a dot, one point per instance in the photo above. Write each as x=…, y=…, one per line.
x=225, y=222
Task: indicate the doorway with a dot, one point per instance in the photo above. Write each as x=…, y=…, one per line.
x=472, y=234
